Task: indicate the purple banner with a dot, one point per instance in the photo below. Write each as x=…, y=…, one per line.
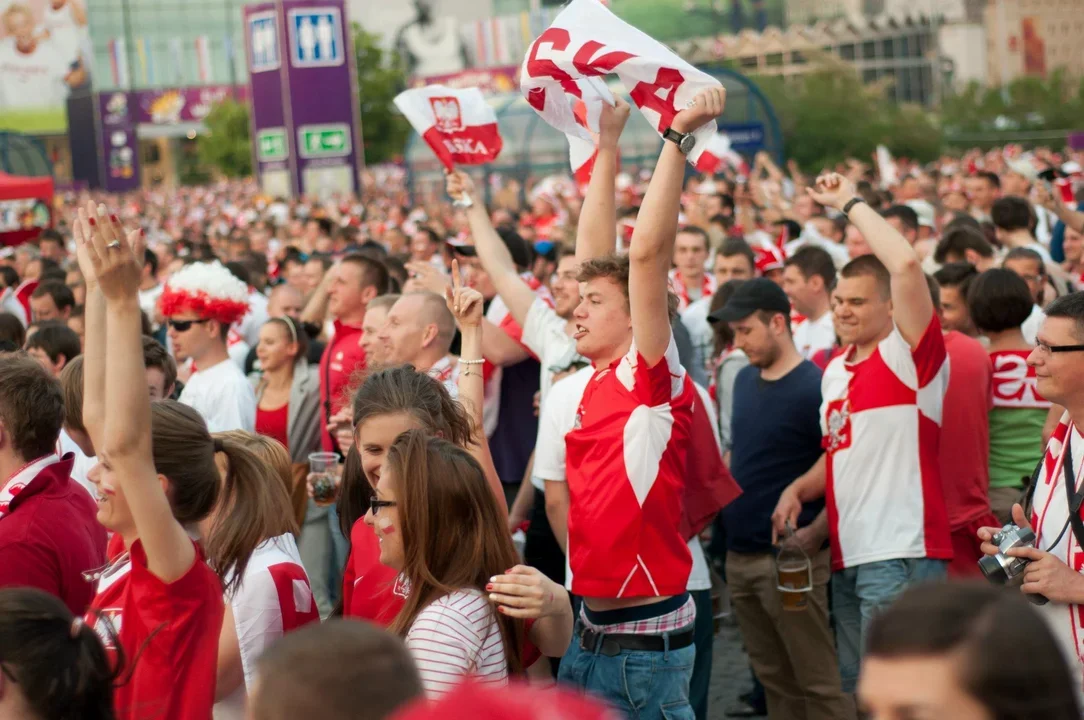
x=273, y=150
x=318, y=58
x=119, y=145
x=1076, y=140
x=169, y=106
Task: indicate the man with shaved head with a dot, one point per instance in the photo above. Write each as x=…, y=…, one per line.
x=418, y=331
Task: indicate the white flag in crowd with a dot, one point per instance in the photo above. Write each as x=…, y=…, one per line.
x=562, y=77
x=719, y=153
x=459, y=125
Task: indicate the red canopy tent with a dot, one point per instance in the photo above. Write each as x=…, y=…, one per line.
x=25, y=208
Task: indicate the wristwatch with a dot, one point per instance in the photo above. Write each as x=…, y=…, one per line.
x=685, y=141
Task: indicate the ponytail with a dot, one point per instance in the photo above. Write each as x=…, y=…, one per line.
x=59, y=663
x=253, y=507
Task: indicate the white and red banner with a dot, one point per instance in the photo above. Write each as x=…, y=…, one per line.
x=562, y=77
x=458, y=124
x=717, y=154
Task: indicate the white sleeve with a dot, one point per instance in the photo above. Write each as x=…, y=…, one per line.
x=541, y=327
x=444, y=644
x=257, y=617
x=549, y=451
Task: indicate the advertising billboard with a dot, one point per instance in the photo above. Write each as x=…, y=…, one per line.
x=44, y=57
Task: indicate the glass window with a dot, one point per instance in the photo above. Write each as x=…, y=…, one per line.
x=847, y=51
x=869, y=50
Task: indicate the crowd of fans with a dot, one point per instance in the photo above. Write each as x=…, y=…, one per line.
x=534, y=436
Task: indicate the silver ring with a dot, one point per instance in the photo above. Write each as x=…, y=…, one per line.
x=113, y=245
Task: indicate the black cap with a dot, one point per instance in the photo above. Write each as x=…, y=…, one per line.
x=751, y=296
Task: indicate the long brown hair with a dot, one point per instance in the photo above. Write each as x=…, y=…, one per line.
x=453, y=535
x=184, y=453
x=263, y=505
x=393, y=390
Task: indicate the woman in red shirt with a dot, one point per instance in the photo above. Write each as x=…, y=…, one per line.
x=397, y=400
x=287, y=388
x=155, y=480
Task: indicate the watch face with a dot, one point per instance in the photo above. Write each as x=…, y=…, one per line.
x=687, y=144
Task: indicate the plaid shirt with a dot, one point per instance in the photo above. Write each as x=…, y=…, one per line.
x=679, y=619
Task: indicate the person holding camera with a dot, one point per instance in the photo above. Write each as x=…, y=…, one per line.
x=1046, y=548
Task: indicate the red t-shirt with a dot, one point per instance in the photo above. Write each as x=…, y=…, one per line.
x=626, y=460
x=964, y=453
x=169, y=633
x=274, y=423
x=50, y=536
x=342, y=358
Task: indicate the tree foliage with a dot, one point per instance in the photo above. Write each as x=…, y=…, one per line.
x=978, y=115
x=828, y=114
x=226, y=145
x=380, y=78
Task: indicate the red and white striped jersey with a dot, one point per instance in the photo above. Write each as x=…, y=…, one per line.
x=454, y=637
x=1049, y=513
x=881, y=420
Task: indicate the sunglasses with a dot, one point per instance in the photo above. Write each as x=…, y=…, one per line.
x=375, y=505
x=183, y=325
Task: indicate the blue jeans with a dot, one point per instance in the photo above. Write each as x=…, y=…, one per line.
x=860, y=592
x=643, y=685
x=705, y=639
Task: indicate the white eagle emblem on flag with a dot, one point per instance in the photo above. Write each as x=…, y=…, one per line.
x=447, y=114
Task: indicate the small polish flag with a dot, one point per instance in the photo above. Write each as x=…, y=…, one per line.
x=458, y=124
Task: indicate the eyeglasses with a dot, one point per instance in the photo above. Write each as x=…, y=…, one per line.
x=1048, y=349
x=183, y=325
x=375, y=505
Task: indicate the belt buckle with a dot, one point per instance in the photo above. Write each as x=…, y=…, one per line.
x=588, y=640
x=609, y=647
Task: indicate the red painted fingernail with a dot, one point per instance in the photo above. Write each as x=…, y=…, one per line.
x=142, y=232
x=489, y=586
x=92, y=221
x=114, y=218
x=500, y=609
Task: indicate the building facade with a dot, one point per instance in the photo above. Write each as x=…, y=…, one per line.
x=1032, y=37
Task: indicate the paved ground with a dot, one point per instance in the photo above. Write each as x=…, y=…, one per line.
x=729, y=671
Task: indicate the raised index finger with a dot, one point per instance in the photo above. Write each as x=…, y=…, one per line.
x=457, y=284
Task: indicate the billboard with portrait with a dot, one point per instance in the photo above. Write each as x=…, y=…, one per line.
x=44, y=57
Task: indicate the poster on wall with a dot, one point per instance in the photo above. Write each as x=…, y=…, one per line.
x=44, y=57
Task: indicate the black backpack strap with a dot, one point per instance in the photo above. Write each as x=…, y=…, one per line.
x=1032, y=485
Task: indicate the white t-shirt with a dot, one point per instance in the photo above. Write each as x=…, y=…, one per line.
x=558, y=418
x=223, y=396
x=454, y=637
x=1031, y=326
x=35, y=80
x=254, y=319
x=544, y=335
x=274, y=598
x=81, y=465
x=63, y=32
x=812, y=336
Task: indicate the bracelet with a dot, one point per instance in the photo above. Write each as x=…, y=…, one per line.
x=850, y=204
x=470, y=362
x=468, y=372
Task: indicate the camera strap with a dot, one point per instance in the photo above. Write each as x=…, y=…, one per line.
x=1075, y=496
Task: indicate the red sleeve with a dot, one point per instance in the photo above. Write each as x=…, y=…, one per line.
x=196, y=592
x=28, y=564
x=531, y=654
x=929, y=357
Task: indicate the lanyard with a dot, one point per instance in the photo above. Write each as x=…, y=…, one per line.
x=1074, y=496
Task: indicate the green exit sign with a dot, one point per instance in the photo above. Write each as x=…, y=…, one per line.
x=318, y=141
x=271, y=145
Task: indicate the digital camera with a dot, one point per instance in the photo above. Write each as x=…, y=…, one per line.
x=1002, y=569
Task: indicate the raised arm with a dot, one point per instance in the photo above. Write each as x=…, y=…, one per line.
x=492, y=252
x=912, y=306
x=126, y=440
x=94, y=336
x=596, y=233
x=315, y=311
x=656, y=228
x=466, y=304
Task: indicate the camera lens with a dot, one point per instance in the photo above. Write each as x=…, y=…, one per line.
x=993, y=569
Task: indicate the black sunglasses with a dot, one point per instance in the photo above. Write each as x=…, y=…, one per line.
x=183, y=325
x=375, y=504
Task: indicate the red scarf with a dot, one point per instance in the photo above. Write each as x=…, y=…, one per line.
x=23, y=478
x=707, y=287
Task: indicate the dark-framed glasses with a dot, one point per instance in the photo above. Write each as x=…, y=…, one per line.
x=183, y=325
x=1046, y=349
x=375, y=505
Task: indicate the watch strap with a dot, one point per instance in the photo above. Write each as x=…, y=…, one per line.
x=850, y=204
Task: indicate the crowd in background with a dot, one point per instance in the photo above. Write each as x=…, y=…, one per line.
x=864, y=353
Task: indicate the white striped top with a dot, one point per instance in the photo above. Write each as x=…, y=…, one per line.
x=454, y=637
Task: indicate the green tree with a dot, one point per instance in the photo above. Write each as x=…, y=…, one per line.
x=828, y=114
x=380, y=78
x=226, y=145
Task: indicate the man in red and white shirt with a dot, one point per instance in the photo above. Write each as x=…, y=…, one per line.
x=418, y=331
x=626, y=459
x=1057, y=558
x=689, y=280
x=881, y=419
x=808, y=278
